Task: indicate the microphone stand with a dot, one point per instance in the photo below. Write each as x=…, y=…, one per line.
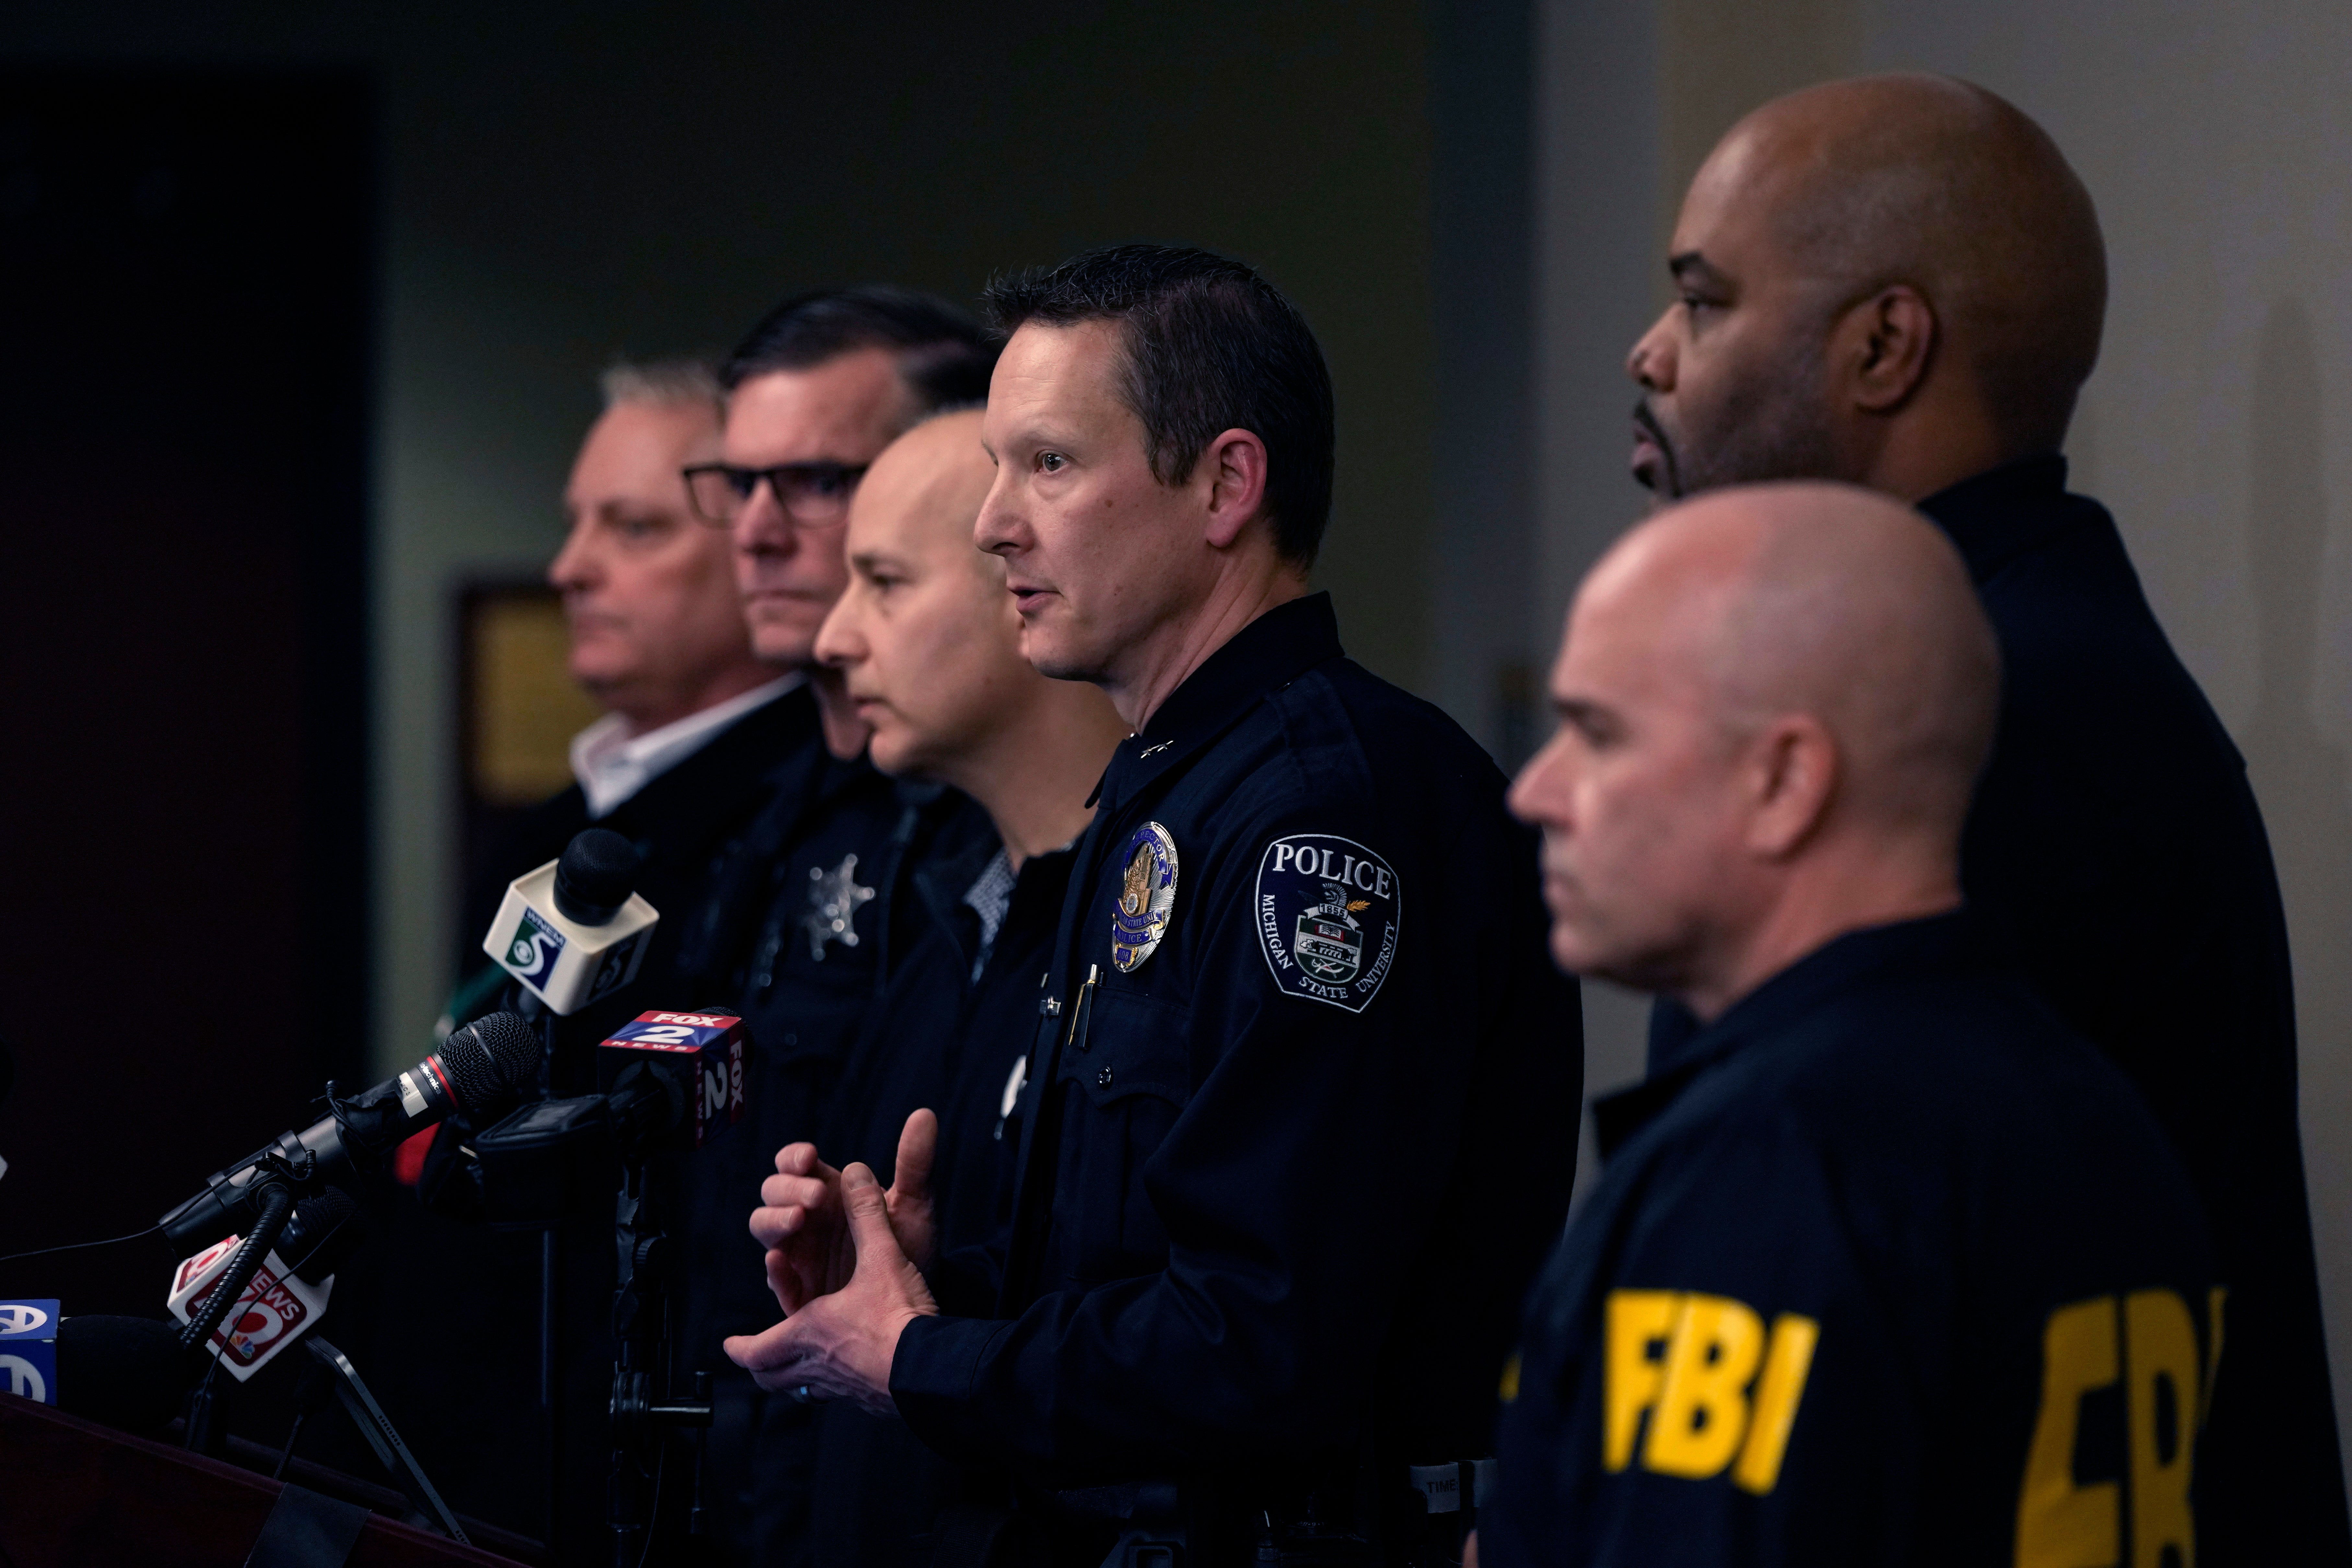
x=550, y=1381
x=273, y=1198
x=646, y=1406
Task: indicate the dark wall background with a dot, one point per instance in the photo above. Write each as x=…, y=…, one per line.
x=184, y=436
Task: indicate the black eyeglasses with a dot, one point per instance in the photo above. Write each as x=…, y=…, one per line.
x=812, y=495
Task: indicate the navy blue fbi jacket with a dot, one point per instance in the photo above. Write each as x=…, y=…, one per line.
x=1302, y=1102
x=1885, y=1266
x=2114, y=835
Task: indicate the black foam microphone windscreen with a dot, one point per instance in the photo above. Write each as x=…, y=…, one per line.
x=128, y=1373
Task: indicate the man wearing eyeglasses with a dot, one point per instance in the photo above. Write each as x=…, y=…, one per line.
x=795, y=930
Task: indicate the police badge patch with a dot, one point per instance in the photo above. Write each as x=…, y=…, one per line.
x=1147, y=893
x=1326, y=918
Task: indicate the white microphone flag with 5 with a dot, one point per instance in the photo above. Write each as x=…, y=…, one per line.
x=566, y=963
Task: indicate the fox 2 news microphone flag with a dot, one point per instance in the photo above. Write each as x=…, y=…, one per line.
x=700, y=1055
x=276, y=1308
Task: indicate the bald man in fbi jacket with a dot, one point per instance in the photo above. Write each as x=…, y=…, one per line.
x=1886, y=1265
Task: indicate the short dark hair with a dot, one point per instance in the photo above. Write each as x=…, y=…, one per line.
x=1210, y=346
x=944, y=354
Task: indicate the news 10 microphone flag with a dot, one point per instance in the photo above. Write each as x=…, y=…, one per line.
x=275, y=1309
x=28, y=1349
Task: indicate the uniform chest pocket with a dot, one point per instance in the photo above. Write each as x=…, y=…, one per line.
x=1129, y=1044
x=1129, y=1076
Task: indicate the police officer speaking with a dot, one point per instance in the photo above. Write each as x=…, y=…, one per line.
x=1300, y=1110
x=1886, y=1264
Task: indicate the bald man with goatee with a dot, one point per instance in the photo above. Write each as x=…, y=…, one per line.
x=1886, y=1265
x=1898, y=282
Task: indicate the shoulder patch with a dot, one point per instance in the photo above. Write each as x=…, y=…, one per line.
x=1326, y=918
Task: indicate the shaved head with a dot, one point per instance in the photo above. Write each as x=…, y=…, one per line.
x=1924, y=180
x=924, y=634
x=1773, y=697
x=928, y=484
x=1828, y=601
x=927, y=643
x=1810, y=230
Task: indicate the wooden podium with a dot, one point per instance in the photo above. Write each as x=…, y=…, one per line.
x=74, y=1494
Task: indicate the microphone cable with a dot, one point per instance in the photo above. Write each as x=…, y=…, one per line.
x=78, y=1246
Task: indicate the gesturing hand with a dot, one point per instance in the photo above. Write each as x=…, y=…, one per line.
x=840, y=1345
x=800, y=1222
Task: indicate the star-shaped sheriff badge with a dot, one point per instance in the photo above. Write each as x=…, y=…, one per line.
x=834, y=898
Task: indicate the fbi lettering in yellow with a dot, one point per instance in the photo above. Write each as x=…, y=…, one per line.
x=1720, y=1391
x=2146, y=1338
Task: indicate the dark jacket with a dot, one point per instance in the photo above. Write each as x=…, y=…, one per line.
x=2120, y=845
x=680, y=822
x=936, y=1038
x=1294, y=1140
x=2116, y=837
x=794, y=933
x=1885, y=1266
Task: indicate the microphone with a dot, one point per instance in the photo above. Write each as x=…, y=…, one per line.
x=128, y=1373
x=671, y=1080
x=289, y=1289
x=482, y=1069
x=125, y=1372
x=572, y=931
x=283, y=1299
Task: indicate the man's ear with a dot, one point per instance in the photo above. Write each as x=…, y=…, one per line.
x=1793, y=767
x=1233, y=467
x=1881, y=348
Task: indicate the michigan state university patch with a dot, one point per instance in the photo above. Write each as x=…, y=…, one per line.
x=1326, y=918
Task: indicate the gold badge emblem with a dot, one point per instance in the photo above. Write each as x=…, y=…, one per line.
x=1147, y=896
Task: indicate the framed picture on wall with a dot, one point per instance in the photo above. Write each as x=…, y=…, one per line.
x=518, y=709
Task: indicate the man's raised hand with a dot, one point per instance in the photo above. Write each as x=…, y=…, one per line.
x=802, y=1222
x=841, y=1346
x=908, y=1201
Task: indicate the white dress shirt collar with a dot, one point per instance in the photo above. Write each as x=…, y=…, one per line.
x=611, y=767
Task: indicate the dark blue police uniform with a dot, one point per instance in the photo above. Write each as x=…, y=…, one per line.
x=1300, y=1121
x=2116, y=837
x=1886, y=1266
x=950, y=1030
x=795, y=934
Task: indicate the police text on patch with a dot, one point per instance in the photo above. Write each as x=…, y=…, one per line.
x=1327, y=912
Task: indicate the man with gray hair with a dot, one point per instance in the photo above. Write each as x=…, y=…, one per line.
x=683, y=762
x=676, y=763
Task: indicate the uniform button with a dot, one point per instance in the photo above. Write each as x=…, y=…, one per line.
x=1102, y=1079
x=1051, y=1006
